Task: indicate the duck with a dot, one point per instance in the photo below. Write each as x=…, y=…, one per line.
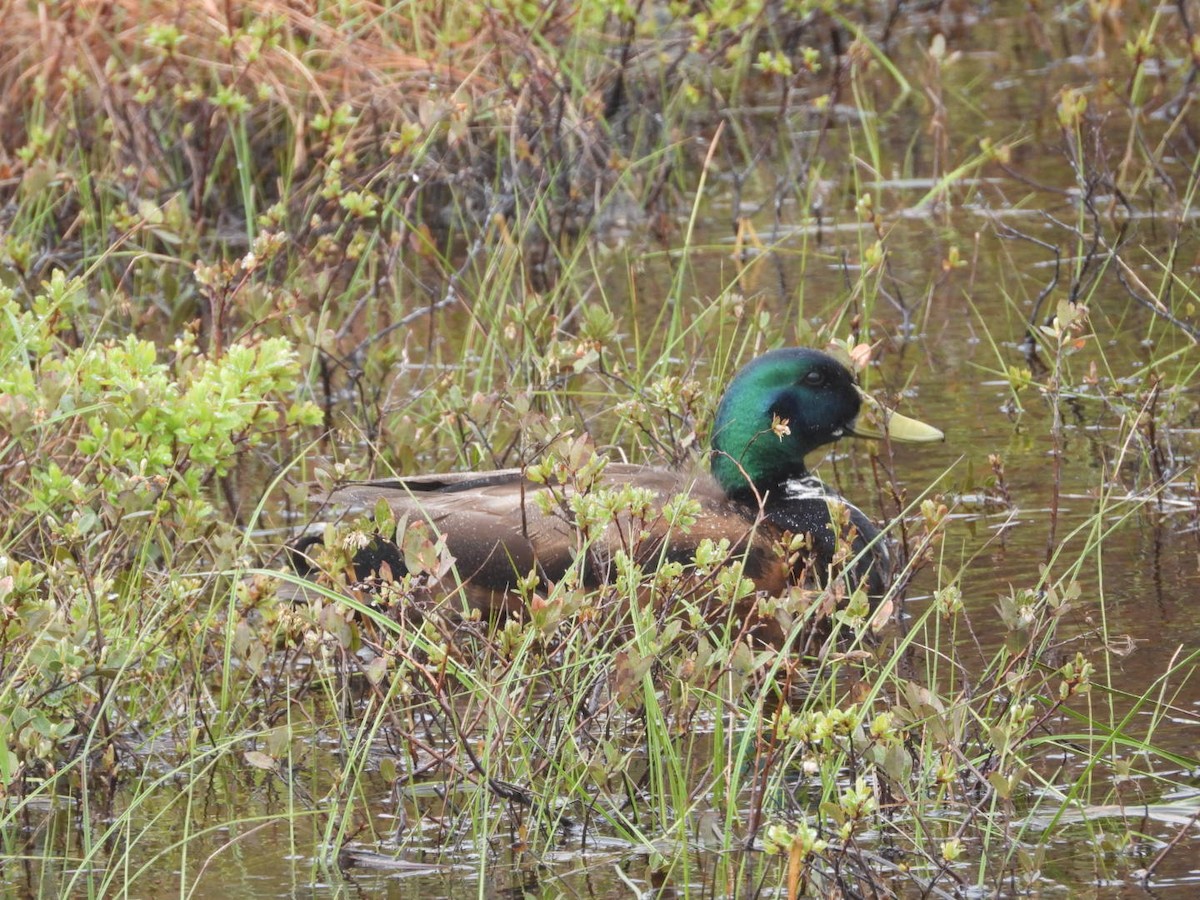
x=508, y=530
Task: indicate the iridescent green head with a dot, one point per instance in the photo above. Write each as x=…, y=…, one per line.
x=784, y=405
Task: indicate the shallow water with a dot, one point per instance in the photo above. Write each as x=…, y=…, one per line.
x=1139, y=585
x=954, y=332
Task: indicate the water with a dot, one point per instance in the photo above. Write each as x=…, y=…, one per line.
x=955, y=329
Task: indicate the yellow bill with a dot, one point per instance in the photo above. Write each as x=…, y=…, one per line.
x=876, y=421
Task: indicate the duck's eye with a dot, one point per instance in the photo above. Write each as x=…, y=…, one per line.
x=815, y=378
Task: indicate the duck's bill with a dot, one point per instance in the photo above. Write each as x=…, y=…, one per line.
x=875, y=421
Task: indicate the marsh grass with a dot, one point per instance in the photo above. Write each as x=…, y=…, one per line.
x=250, y=249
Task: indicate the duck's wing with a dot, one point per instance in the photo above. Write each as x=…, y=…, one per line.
x=499, y=526
x=493, y=527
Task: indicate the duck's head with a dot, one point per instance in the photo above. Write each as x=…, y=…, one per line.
x=786, y=404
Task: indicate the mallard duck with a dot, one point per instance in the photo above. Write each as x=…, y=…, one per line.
x=501, y=526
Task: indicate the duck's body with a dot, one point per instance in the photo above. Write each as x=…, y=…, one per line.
x=500, y=526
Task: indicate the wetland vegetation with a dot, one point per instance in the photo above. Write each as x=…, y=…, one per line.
x=251, y=250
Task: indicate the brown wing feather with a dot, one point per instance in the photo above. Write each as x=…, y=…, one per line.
x=486, y=525
x=496, y=530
